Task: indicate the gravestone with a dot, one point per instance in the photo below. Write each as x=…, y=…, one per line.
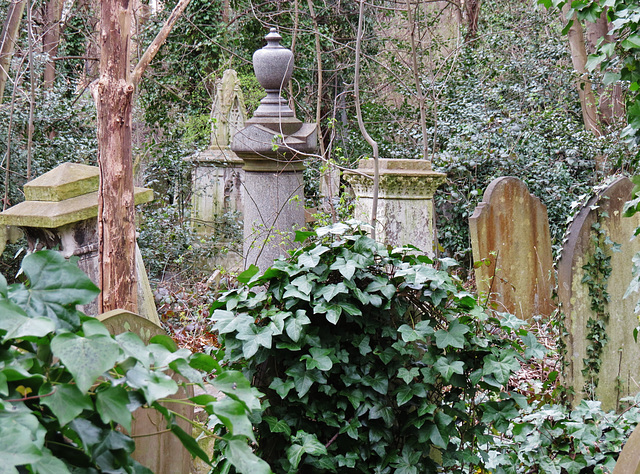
x=510, y=238
x=160, y=451
x=405, y=212
x=619, y=375
x=629, y=460
x=273, y=146
x=61, y=213
x=217, y=176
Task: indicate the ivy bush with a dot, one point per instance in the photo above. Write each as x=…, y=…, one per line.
x=66, y=384
x=371, y=359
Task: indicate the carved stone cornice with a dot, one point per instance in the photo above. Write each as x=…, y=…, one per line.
x=399, y=179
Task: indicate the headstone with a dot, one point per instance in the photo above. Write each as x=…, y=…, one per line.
x=405, y=201
x=61, y=213
x=217, y=176
x=273, y=145
x=156, y=449
x=619, y=374
x=629, y=460
x=511, y=246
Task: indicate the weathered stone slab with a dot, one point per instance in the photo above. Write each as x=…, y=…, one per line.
x=160, y=451
x=510, y=234
x=620, y=371
x=405, y=214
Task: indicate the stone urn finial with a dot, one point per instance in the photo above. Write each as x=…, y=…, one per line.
x=273, y=66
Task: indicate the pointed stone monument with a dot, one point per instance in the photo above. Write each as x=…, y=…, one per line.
x=273, y=146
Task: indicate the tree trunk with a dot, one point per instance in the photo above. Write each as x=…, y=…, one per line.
x=611, y=103
x=472, y=13
x=579, y=59
x=10, y=31
x=51, y=39
x=113, y=94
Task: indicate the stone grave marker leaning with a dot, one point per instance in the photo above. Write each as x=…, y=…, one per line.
x=511, y=242
x=619, y=373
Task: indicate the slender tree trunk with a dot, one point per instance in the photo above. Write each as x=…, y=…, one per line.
x=10, y=31
x=472, y=13
x=579, y=60
x=51, y=39
x=611, y=104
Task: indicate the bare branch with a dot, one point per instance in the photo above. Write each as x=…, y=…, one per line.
x=157, y=42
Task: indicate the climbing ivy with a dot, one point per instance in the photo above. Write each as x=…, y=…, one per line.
x=596, y=276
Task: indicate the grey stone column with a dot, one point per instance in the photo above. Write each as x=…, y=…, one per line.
x=273, y=146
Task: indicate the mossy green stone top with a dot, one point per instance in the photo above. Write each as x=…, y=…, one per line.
x=66, y=194
x=66, y=181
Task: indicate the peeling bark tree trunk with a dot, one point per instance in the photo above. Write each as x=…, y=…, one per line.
x=51, y=39
x=10, y=31
x=113, y=95
x=472, y=13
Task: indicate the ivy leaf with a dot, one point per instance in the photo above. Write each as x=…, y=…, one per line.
x=281, y=387
x=501, y=369
x=66, y=402
x=453, y=336
x=18, y=325
x=87, y=358
x=155, y=385
x=304, y=443
x=16, y=440
x=54, y=287
x=227, y=321
x=534, y=349
x=255, y=337
x=246, y=276
x=294, y=327
x=447, y=367
x=277, y=426
x=235, y=385
x=304, y=379
x=408, y=375
x=112, y=405
x=234, y=416
x=243, y=458
x=319, y=359
x=347, y=268
x=330, y=291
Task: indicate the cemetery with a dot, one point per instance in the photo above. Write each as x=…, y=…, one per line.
x=375, y=237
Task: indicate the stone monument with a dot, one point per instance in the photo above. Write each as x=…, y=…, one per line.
x=619, y=373
x=217, y=176
x=511, y=244
x=61, y=213
x=273, y=145
x=405, y=201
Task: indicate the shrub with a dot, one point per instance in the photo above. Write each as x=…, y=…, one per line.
x=66, y=383
x=371, y=359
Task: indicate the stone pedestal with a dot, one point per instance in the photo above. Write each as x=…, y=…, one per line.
x=61, y=213
x=405, y=201
x=274, y=190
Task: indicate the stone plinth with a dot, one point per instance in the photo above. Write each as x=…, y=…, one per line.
x=619, y=373
x=274, y=190
x=511, y=242
x=157, y=449
x=60, y=213
x=405, y=201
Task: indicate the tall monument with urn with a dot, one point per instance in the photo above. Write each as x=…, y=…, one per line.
x=273, y=145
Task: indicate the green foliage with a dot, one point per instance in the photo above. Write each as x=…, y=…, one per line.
x=553, y=439
x=371, y=359
x=66, y=383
